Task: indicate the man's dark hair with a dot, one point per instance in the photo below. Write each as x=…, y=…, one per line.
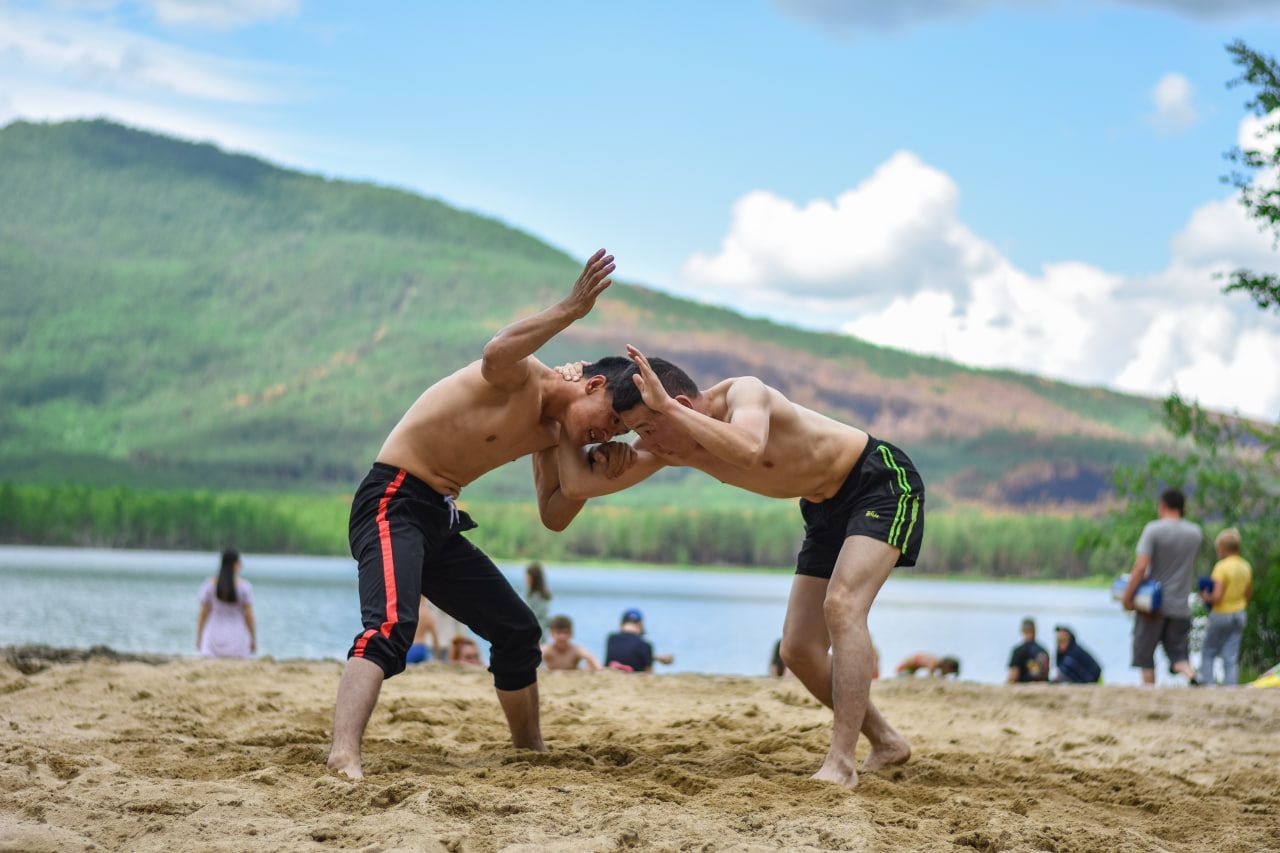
x=1029, y=624
x=1174, y=499
x=674, y=380
x=560, y=623
x=949, y=666
x=615, y=369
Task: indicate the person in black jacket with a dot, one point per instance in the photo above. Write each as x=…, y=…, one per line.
x=1075, y=665
x=627, y=650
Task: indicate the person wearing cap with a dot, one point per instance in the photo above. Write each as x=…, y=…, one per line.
x=1075, y=665
x=627, y=650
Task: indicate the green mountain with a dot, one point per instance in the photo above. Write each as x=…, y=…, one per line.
x=174, y=315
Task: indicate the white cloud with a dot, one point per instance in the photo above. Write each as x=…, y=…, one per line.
x=207, y=14
x=106, y=58
x=222, y=14
x=845, y=16
x=55, y=67
x=843, y=248
x=1171, y=97
x=891, y=262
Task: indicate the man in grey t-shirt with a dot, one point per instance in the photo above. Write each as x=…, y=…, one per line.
x=1167, y=553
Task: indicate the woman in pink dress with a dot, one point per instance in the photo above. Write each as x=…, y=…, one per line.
x=225, y=628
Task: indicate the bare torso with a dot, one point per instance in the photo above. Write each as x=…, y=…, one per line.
x=808, y=455
x=567, y=658
x=463, y=427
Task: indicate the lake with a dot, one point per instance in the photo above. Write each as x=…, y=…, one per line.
x=712, y=621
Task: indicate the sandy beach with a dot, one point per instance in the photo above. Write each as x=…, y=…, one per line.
x=213, y=755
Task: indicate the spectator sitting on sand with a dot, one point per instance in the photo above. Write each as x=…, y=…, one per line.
x=562, y=652
x=465, y=652
x=1075, y=665
x=225, y=626
x=931, y=664
x=1029, y=661
x=628, y=651
x=420, y=651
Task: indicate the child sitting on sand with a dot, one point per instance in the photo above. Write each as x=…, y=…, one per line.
x=562, y=652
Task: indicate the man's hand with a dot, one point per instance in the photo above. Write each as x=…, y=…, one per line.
x=590, y=284
x=1128, y=601
x=571, y=372
x=615, y=457
x=651, y=390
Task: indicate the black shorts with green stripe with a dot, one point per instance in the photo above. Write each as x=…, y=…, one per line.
x=883, y=498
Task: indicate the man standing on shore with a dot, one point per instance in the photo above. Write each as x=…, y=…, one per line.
x=863, y=507
x=1167, y=552
x=406, y=528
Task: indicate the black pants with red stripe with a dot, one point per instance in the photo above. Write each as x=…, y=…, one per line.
x=408, y=541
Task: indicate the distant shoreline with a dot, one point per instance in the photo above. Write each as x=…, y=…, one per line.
x=1096, y=581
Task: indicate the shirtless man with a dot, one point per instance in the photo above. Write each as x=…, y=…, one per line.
x=862, y=503
x=406, y=528
x=562, y=652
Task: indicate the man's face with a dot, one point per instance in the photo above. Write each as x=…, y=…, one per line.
x=1064, y=640
x=658, y=431
x=590, y=419
x=560, y=637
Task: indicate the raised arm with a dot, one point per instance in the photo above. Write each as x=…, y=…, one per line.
x=602, y=470
x=740, y=439
x=505, y=362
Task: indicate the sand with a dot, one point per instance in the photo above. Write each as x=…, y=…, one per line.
x=217, y=755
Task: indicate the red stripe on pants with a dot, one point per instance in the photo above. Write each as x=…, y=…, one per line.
x=360, y=644
x=388, y=560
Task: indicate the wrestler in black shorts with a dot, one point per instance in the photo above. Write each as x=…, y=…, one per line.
x=883, y=498
x=408, y=540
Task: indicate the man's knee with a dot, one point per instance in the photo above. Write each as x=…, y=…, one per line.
x=801, y=656
x=516, y=653
x=388, y=651
x=843, y=611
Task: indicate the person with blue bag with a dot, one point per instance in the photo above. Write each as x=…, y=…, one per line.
x=1167, y=552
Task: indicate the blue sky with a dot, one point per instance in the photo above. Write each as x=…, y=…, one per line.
x=1037, y=178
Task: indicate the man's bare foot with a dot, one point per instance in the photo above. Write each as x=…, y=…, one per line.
x=840, y=772
x=349, y=767
x=893, y=751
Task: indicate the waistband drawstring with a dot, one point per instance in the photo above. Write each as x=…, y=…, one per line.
x=453, y=509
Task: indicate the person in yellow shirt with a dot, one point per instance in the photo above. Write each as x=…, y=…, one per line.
x=1232, y=589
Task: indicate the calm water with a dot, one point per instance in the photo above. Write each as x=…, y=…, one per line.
x=715, y=622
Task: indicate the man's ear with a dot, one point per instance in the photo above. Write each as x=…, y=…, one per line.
x=684, y=401
x=595, y=383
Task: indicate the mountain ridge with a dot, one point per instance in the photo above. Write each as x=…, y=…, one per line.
x=175, y=314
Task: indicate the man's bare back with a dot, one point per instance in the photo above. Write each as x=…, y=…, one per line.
x=804, y=454
x=807, y=454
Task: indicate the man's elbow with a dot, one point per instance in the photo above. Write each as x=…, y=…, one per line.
x=554, y=523
x=574, y=492
x=555, y=520
x=751, y=454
